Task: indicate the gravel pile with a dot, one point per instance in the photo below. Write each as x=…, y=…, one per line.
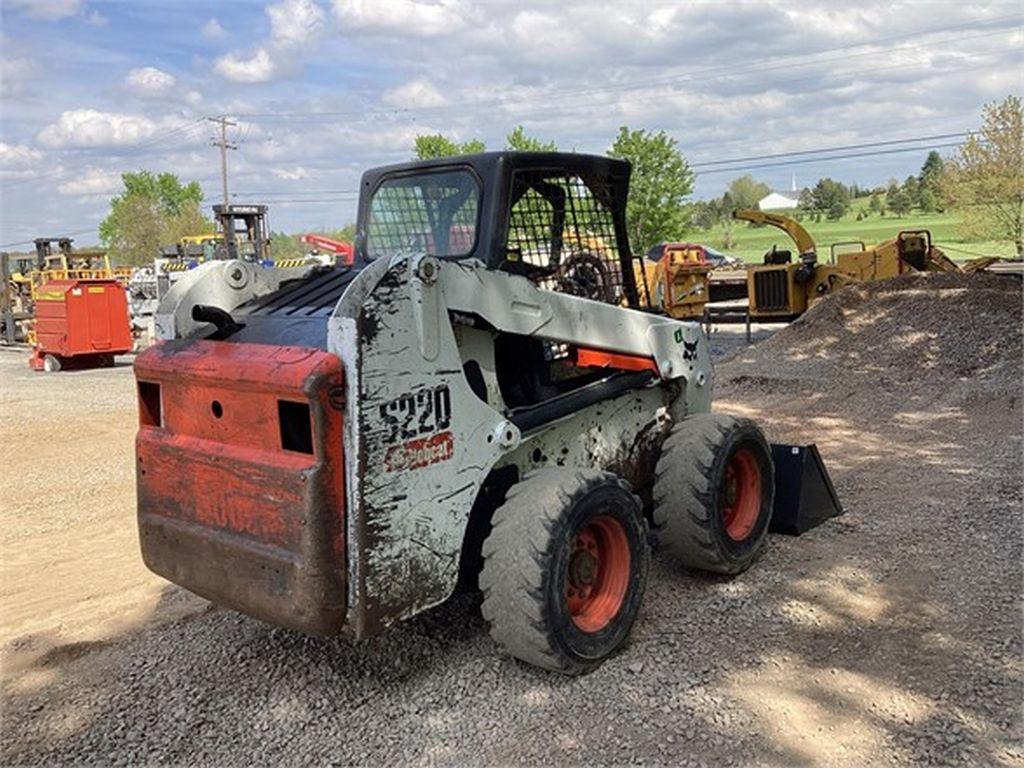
x=940, y=336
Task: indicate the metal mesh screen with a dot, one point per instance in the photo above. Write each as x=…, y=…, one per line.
x=433, y=213
x=562, y=234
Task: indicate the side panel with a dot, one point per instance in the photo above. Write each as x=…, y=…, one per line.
x=420, y=443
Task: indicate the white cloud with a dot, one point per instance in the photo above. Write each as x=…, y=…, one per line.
x=295, y=22
x=195, y=98
x=18, y=161
x=414, y=94
x=91, y=181
x=149, y=81
x=18, y=156
x=258, y=68
x=417, y=18
x=96, y=18
x=14, y=72
x=290, y=174
x=47, y=10
x=92, y=128
x=212, y=30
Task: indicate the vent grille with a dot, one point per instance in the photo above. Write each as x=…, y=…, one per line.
x=771, y=290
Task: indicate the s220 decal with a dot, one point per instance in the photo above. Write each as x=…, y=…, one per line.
x=417, y=433
x=416, y=414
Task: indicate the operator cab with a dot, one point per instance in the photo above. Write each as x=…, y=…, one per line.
x=555, y=218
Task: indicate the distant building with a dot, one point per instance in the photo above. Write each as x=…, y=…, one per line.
x=777, y=202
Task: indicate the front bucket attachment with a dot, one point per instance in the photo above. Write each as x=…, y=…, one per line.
x=804, y=495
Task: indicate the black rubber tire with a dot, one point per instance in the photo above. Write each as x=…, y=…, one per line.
x=51, y=364
x=689, y=496
x=525, y=562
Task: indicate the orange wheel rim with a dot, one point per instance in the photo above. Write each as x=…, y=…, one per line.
x=597, y=578
x=741, y=494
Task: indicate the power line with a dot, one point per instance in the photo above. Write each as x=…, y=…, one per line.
x=271, y=193
x=32, y=242
x=804, y=161
x=806, y=155
x=162, y=136
x=757, y=65
x=936, y=137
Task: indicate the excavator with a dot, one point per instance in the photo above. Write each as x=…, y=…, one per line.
x=783, y=288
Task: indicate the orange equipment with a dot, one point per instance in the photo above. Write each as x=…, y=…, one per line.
x=343, y=250
x=677, y=277
x=79, y=323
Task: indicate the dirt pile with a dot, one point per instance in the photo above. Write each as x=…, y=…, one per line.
x=944, y=336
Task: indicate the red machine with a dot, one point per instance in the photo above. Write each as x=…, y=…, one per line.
x=79, y=323
x=344, y=250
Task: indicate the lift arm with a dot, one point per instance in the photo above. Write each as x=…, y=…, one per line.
x=344, y=250
x=804, y=242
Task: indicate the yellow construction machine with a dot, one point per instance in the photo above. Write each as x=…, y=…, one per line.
x=784, y=288
x=676, y=276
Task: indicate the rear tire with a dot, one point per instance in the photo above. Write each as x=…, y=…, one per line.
x=714, y=491
x=51, y=364
x=565, y=567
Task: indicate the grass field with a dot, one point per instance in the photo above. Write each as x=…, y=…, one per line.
x=751, y=242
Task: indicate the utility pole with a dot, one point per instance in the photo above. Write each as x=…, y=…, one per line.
x=224, y=147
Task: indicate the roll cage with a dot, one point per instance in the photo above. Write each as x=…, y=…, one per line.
x=557, y=218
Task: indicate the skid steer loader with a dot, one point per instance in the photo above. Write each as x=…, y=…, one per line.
x=474, y=399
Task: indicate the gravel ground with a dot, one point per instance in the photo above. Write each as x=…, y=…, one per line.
x=889, y=636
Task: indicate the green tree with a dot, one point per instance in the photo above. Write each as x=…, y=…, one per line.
x=435, y=145
x=285, y=246
x=155, y=209
x=930, y=178
x=519, y=141
x=875, y=204
x=836, y=211
x=746, y=191
x=898, y=202
x=661, y=181
x=913, y=189
x=927, y=200
x=984, y=181
x=827, y=192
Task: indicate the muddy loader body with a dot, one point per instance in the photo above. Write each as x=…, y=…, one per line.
x=475, y=399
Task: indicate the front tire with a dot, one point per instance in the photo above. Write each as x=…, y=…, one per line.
x=565, y=567
x=714, y=492
x=51, y=364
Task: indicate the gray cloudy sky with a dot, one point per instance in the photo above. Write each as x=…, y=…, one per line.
x=323, y=89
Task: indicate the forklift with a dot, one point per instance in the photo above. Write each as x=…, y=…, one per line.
x=244, y=233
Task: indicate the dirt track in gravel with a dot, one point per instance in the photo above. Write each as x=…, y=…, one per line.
x=891, y=635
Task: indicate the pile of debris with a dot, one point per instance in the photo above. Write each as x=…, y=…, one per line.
x=938, y=336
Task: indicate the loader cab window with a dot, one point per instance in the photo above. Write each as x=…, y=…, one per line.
x=434, y=213
x=561, y=234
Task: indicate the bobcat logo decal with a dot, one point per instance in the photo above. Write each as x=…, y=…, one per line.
x=690, y=349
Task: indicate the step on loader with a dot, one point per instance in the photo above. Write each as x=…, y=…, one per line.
x=475, y=399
